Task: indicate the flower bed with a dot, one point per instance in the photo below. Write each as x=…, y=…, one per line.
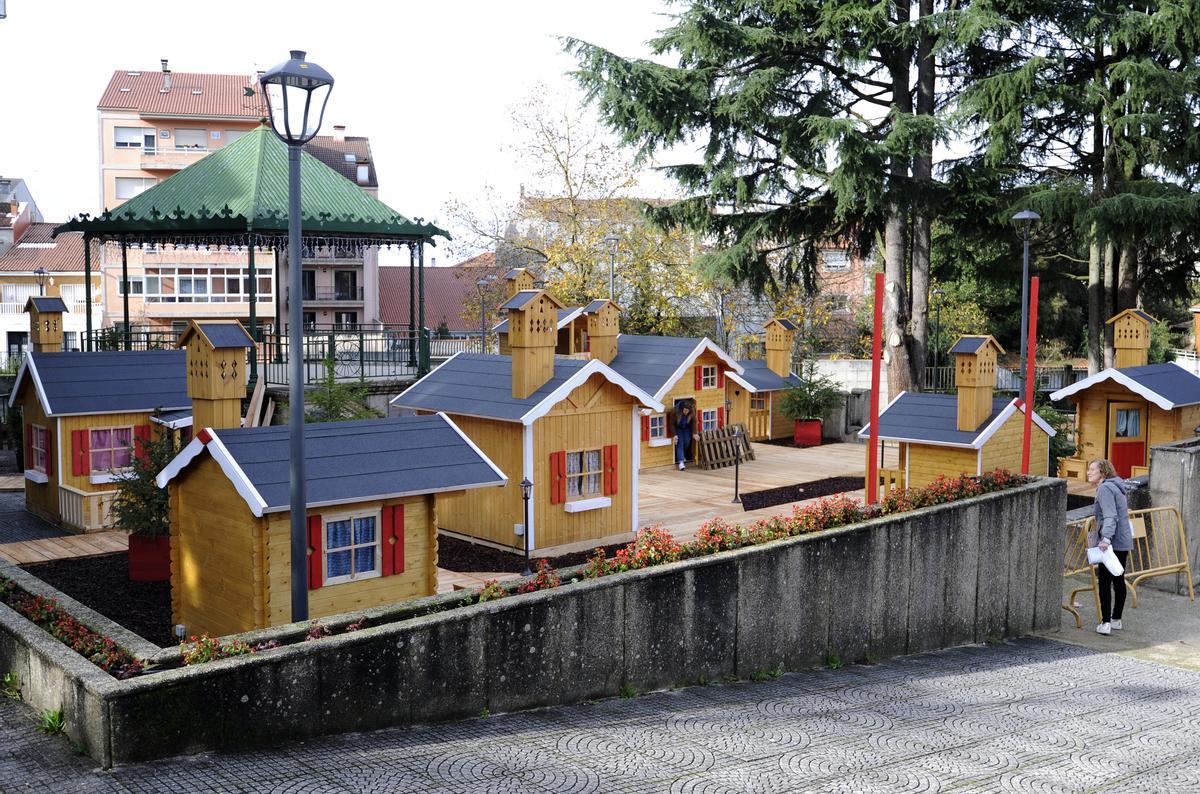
x=49, y=615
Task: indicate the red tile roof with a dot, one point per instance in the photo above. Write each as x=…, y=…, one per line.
x=446, y=292
x=332, y=153
x=220, y=95
x=35, y=249
x=486, y=259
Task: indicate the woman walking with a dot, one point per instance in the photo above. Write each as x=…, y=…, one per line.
x=1112, y=523
x=683, y=434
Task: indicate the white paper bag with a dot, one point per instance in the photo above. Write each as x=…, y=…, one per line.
x=1106, y=558
x=1095, y=556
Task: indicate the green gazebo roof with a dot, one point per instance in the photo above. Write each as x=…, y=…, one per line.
x=242, y=189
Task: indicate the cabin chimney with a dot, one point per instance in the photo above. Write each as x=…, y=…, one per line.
x=975, y=374
x=216, y=372
x=518, y=279
x=166, y=85
x=1131, y=338
x=779, y=336
x=603, y=326
x=532, y=334
x=45, y=323
x=339, y=132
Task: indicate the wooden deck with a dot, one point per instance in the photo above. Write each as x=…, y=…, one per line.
x=88, y=545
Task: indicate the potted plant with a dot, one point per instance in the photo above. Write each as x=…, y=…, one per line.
x=807, y=403
x=142, y=509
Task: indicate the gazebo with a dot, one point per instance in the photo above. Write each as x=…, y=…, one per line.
x=238, y=197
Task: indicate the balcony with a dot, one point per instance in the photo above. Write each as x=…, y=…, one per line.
x=327, y=295
x=170, y=158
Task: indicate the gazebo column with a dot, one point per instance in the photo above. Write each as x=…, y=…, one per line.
x=412, y=302
x=253, y=311
x=424, y=368
x=125, y=290
x=87, y=289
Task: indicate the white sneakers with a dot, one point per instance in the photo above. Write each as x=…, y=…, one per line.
x=681, y=465
x=1104, y=628
x=1116, y=625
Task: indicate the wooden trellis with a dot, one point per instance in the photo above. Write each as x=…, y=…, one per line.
x=723, y=446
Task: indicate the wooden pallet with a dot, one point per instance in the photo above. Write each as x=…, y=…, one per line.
x=724, y=446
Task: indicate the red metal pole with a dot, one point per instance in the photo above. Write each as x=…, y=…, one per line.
x=876, y=362
x=1030, y=372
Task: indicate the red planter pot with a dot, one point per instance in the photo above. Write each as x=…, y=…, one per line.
x=149, y=559
x=807, y=433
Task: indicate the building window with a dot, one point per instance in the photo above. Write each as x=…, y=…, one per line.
x=215, y=284
x=191, y=139
x=111, y=449
x=310, y=320
x=708, y=377
x=758, y=402
x=658, y=426
x=351, y=546
x=39, y=447
x=233, y=135
x=133, y=137
x=136, y=286
x=708, y=419
x=584, y=473
x=839, y=304
x=130, y=186
x=71, y=340
x=835, y=260
x=345, y=321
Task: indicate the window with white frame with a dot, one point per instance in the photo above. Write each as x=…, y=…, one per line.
x=130, y=186
x=351, y=546
x=215, y=284
x=835, y=260
x=233, y=135
x=758, y=402
x=133, y=137
x=658, y=426
x=708, y=419
x=708, y=377
x=191, y=139
x=585, y=472
x=135, y=285
x=39, y=443
x=110, y=449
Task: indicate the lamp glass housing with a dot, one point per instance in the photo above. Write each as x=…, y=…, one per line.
x=296, y=93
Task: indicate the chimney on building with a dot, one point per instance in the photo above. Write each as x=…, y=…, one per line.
x=45, y=323
x=1195, y=310
x=518, y=279
x=339, y=132
x=532, y=335
x=166, y=84
x=1131, y=338
x=216, y=372
x=779, y=336
x=603, y=327
x=975, y=360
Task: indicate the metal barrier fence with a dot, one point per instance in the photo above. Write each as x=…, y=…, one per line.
x=393, y=354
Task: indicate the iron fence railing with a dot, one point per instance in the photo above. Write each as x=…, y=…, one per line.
x=353, y=355
x=1049, y=379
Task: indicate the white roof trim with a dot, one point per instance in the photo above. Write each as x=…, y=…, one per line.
x=589, y=369
x=471, y=443
x=174, y=424
x=1117, y=376
x=221, y=455
x=865, y=432
x=179, y=462
x=745, y=384
x=393, y=401
x=704, y=344
x=980, y=439
x=27, y=363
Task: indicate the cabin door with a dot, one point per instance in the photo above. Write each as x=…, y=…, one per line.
x=692, y=450
x=1127, y=436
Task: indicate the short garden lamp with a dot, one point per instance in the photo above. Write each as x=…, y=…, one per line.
x=938, y=295
x=737, y=464
x=296, y=92
x=480, y=285
x=612, y=241
x=1024, y=222
x=40, y=274
x=526, y=492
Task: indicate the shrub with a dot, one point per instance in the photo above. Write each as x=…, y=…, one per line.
x=813, y=397
x=545, y=578
x=140, y=506
x=490, y=591
x=208, y=649
x=717, y=534
x=651, y=546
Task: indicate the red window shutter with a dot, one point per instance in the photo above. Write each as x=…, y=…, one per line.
x=141, y=437
x=558, y=477
x=720, y=417
x=699, y=378
x=670, y=420
x=29, y=446
x=610, y=469
x=80, y=463
x=645, y=428
x=720, y=378
x=49, y=451
x=316, y=565
x=392, y=553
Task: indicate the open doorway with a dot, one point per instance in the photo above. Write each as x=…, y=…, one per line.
x=690, y=452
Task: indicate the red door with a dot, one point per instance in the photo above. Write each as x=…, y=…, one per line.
x=1126, y=454
x=1126, y=436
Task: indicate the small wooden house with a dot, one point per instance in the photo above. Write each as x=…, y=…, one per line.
x=755, y=394
x=1122, y=411
x=568, y=425
x=84, y=415
x=971, y=432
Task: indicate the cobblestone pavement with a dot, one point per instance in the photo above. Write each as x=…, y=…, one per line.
x=1031, y=715
x=17, y=525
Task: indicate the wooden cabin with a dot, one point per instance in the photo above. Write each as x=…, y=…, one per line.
x=1122, y=411
x=568, y=425
x=971, y=432
x=570, y=328
x=84, y=415
x=755, y=395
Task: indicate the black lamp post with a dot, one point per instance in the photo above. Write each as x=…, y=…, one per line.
x=612, y=241
x=296, y=93
x=526, y=492
x=479, y=285
x=1024, y=221
x=937, y=337
x=737, y=465
x=40, y=274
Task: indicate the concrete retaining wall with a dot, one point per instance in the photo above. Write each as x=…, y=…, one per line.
x=976, y=570
x=1175, y=482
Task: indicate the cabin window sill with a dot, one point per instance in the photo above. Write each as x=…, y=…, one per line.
x=583, y=505
x=659, y=442
x=105, y=478
x=33, y=475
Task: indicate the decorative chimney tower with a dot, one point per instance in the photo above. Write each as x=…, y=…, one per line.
x=532, y=334
x=45, y=323
x=519, y=279
x=603, y=327
x=779, y=336
x=975, y=374
x=1131, y=338
x=216, y=372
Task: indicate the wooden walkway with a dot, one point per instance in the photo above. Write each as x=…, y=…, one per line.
x=449, y=581
x=91, y=544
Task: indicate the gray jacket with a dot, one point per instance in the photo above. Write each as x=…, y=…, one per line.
x=1112, y=513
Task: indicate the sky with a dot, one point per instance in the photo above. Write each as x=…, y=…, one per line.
x=431, y=84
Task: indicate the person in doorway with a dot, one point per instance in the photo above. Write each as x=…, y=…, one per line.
x=1112, y=524
x=684, y=424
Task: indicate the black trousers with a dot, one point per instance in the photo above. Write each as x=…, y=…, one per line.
x=1111, y=608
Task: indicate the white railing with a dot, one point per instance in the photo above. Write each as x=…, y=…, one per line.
x=75, y=307
x=1188, y=359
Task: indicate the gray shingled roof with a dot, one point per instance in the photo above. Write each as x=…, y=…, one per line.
x=787, y=324
x=564, y=316
x=174, y=419
x=226, y=334
x=521, y=299
x=594, y=306
x=1167, y=385
x=650, y=361
x=969, y=344
x=109, y=382
x=931, y=418
x=475, y=384
x=46, y=303
x=762, y=378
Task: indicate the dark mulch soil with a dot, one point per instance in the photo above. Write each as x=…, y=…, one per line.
x=8, y=461
x=787, y=442
x=102, y=583
x=466, y=557
x=786, y=494
x=1075, y=501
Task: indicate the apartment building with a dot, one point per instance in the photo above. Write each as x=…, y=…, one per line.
x=17, y=210
x=153, y=124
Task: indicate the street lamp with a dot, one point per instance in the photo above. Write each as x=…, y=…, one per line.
x=480, y=283
x=40, y=274
x=1024, y=221
x=612, y=241
x=526, y=492
x=296, y=93
x=937, y=335
x=737, y=464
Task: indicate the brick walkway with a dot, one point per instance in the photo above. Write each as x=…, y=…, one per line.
x=1033, y=715
x=16, y=524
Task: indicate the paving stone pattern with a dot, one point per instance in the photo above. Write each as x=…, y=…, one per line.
x=1031, y=715
x=16, y=524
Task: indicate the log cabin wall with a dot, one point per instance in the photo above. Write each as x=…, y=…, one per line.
x=488, y=513
x=41, y=499
x=927, y=462
x=1003, y=449
x=685, y=388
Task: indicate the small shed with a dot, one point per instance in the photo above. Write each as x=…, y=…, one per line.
x=371, y=517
